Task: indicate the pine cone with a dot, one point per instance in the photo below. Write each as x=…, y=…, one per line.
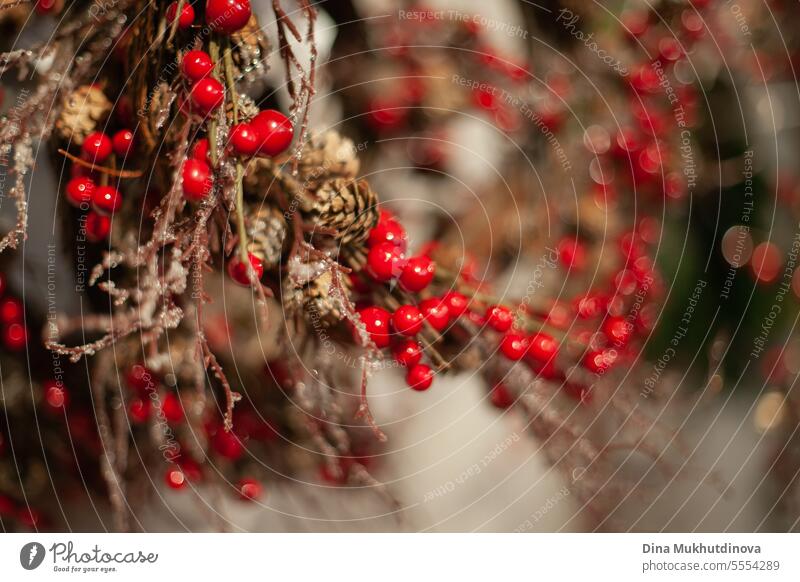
x=250, y=53
x=81, y=111
x=267, y=230
x=347, y=206
x=329, y=155
x=319, y=301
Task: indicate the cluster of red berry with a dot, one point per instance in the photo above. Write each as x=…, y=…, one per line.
x=99, y=202
x=153, y=402
x=12, y=318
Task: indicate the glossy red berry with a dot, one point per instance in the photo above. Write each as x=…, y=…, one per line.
x=206, y=95
x=275, y=132
x=46, y=6
x=15, y=337
x=197, y=180
x=599, y=361
x=237, y=270
x=79, y=191
x=186, y=19
x=407, y=353
x=11, y=310
x=436, y=313
x=376, y=321
x=514, y=346
x=139, y=410
x=227, y=445
x=244, y=139
x=122, y=143
x=196, y=64
x=98, y=226
x=55, y=396
x=96, y=147
x=500, y=396
x=417, y=273
x=419, y=377
x=618, y=330
x=200, y=151
x=388, y=230
x=456, y=303
x=407, y=320
x=571, y=253
x=384, y=262
x=172, y=408
x=175, y=478
x=499, y=318
x=106, y=199
x=542, y=348
x=227, y=16
x=249, y=489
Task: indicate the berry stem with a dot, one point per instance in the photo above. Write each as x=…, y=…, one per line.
x=234, y=98
x=101, y=169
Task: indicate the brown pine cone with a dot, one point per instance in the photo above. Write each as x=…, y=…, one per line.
x=267, y=230
x=349, y=207
x=81, y=111
x=327, y=156
x=320, y=303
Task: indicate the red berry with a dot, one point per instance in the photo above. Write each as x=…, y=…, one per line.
x=206, y=95
x=407, y=320
x=186, y=19
x=417, y=273
x=436, y=313
x=419, y=377
x=106, y=199
x=456, y=303
x=385, y=261
x=139, y=410
x=122, y=142
x=45, y=6
x=274, y=130
x=249, y=489
x=227, y=16
x=542, y=348
x=228, y=445
x=407, y=353
x=244, y=139
x=141, y=380
x=175, y=478
x=196, y=65
x=11, y=310
x=500, y=396
x=197, y=180
x=96, y=147
x=599, y=361
x=499, y=318
x=200, y=151
x=376, y=322
x=514, y=346
x=618, y=330
x=15, y=337
x=55, y=395
x=237, y=270
x=2, y=284
x=79, y=191
x=172, y=408
x=571, y=253
x=388, y=230
x=97, y=226
x=590, y=306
